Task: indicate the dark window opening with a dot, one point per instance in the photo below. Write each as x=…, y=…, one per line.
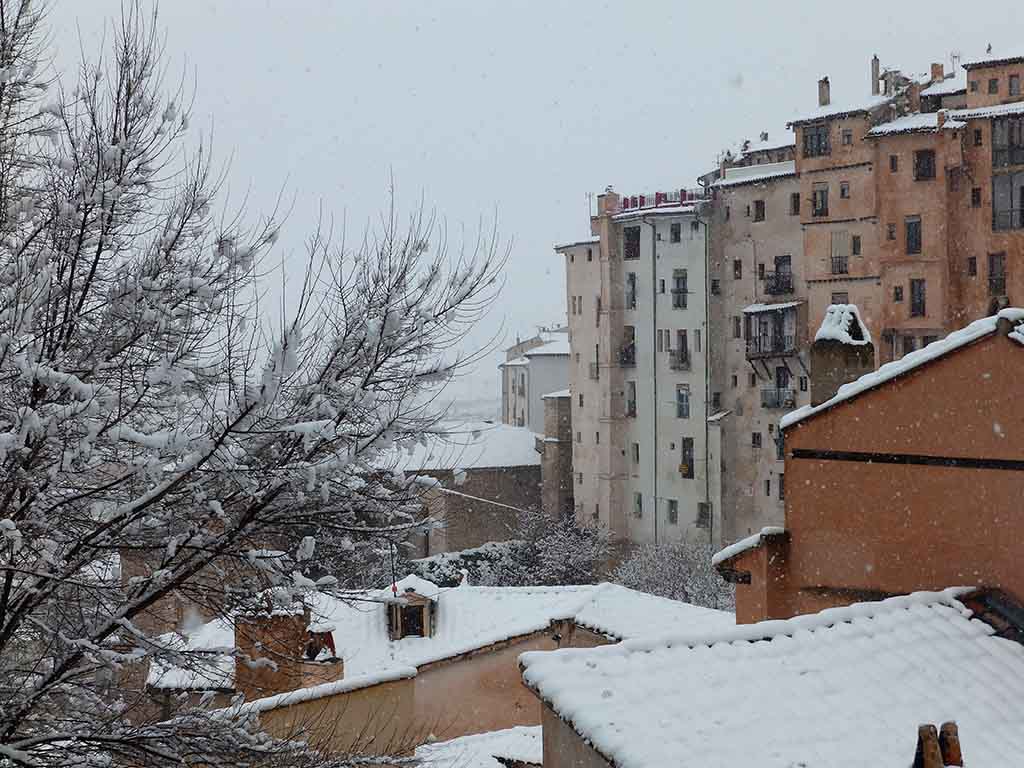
x=977, y=137
x=997, y=274
x=917, y=298
x=819, y=200
x=631, y=243
x=897, y=293
x=972, y=266
x=993, y=85
x=794, y=204
x=855, y=245
x=894, y=163
x=759, y=210
x=976, y=197
x=412, y=620
x=676, y=233
x=816, y=140
x=924, y=165
x=913, y=232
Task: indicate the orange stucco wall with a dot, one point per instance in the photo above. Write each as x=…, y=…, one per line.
x=865, y=529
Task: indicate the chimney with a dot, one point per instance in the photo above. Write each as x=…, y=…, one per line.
x=938, y=749
x=875, y=74
x=842, y=352
x=938, y=71
x=764, y=135
x=940, y=118
x=824, y=97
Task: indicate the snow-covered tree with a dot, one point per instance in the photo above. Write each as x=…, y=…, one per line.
x=681, y=571
x=164, y=441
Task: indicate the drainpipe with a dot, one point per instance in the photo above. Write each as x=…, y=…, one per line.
x=707, y=380
x=654, y=364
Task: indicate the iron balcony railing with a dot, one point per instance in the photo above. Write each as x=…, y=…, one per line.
x=679, y=359
x=766, y=346
x=595, y=371
x=778, y=398
x=777, y=282
x=627, y=356
x=840, y=265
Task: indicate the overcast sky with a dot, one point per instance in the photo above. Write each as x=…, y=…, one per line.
x=513, y=109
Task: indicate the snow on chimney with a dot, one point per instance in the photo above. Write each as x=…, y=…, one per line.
x=824, y=95
x=842, y=352
x=875, y=74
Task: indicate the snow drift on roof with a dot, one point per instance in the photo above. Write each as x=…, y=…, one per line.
x=976, y=330
x=412, y=583
x=839, y=109
x=844, y=688
x=917, y=123
x=556, y=395
x=756, y=173
x=842, y=323
x=472, y=445
x=954, y=83
x=755, y=308
x=584, y=241
x=980, y=113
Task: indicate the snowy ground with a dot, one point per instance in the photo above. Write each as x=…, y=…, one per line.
x=521, y=743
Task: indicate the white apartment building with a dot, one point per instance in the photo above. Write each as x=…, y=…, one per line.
x=638, y=322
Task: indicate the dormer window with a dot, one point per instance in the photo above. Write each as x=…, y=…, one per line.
x=411, y=608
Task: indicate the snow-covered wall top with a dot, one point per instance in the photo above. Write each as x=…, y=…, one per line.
x=889, y=371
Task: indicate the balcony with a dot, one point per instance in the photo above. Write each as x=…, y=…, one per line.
x=679, y=359
x=657, y=199
x=770, y=346
x=778, y=398
x=595, y=371
x=840, y=265
x=997, y=285
x=627, y=356
x=777, y=283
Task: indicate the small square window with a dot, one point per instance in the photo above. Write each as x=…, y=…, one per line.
x=977, y=137
x=897, y=293
x=993, y=85
x=972, y=266
x=755, y=439
x=924, y=165
x=894, y=163
x=844, y=190
x=976, y=197
x=673, y=512
x=847, y=137
x=974, y=86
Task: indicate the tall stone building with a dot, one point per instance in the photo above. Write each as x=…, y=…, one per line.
x=639, y=374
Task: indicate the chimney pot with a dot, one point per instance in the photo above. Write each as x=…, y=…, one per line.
x=938, y=71
x=949, y=745
x=875, y=75
x=824, y=95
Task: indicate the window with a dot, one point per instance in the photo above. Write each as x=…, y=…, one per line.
x=737, y=269
x=573, y=304
x=782, y=487
x=703, y=515
x=716, y=400
x=855, y=245
x=753, y=379
x=803, y=383
x=993, y=85
x=840, y=252
x=631, y=398
x=581, y=399
x=590, y=254
x=1007, y=141
x=917, y=298
x=759, y=210
x=972, y=266
x=819, y=199
x=572, y=258
x=760, y=271
x=579, y=304
x=794, y=204
x=924, y=165
x=675, y=233
x=755, y=439
x=737, y=327
x=997, y=274
x=816, y=140
x=661, y=286
x=631, y=243
x=890, y=231
x=579, y=437
x=844, y=190
x=412, y=620
x=661, y=340
x=579, y=478
x=686, y=463
x=735, y=381
x=847, y=137
x=977, y=137
x=638, y=505
x=631, y=290
x=913, y=231
x=768, y=487
x=909, y=344
x=636, y=453
x=696, y=339
x=974, y=86
x=1008, y=201
x=840, y=297
x=894, y=163
x=716, y=287
x=679, y=289
x=682, y=401
x=1015, y=85
x=897, y=293
x=976, y=197
x=727, y=213
x=673, y=512
x=597, y=438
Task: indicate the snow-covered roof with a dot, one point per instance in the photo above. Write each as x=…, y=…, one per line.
x=470, y=445
x=745, y=148
x=842, y=323
x=844, y=688
x=976, y=330
x=559, y=345
x=469, y=618
x=717, y=417
x=584, y=241
x=840, y=109
x=925, y=122
x=755, y=308
x=661, y=210
x=752, y=174
x=517, y=361
x=981, y=113
x=992, y=58
x=413, y=583
x=212, y=671
x=744, y=544
x=954, y=83
x=556, y=395
x=522, y=744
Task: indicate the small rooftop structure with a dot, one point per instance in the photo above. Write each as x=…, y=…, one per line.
x=755, y=174
x=844, y=688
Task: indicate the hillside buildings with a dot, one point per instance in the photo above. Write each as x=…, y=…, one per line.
x=533, y=368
